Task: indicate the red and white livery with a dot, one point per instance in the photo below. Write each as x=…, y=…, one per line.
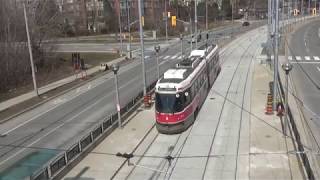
x=184, y=88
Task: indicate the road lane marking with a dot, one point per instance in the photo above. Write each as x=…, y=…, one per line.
x=89, y=87
x=290, y=58
x=305, y=62
x=318, y=68
x=307, y=58
x=146, y=57
x=316, y=58
x=39, y=115
x=72, y=118
x=298, y=58
x=24, y=148
x=166, y=57
x=59, y=101
x=173, y=57
x=180, y=57
x=160, y=57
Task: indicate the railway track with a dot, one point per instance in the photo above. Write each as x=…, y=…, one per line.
x=164, y=171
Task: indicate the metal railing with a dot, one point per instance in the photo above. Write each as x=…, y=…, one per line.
x=65, y=158
x=299, y=147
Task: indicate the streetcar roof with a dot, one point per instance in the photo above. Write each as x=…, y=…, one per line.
x=173, y=77
x=196, y=53
x=174, y=74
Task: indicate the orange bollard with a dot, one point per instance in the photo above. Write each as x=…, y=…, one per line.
x=269, y=110
x=146, y=101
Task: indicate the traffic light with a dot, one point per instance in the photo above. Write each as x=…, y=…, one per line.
x=174, y=21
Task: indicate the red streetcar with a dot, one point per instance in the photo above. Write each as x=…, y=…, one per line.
x=184, y=88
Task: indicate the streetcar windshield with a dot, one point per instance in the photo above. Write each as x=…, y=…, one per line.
x=169, y=103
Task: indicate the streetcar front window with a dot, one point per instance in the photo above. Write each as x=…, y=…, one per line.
x=169, y=103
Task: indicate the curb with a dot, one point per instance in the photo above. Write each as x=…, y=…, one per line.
x=55, y=96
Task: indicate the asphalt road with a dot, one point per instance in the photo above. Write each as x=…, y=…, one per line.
x=62, y=121
x=305, y=53
x=305, y=50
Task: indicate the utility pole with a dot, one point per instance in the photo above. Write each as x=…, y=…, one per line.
x=119, y=18
x=129, y=28
x=195, y=23
x=30, y=52
x=276, y=49
x=142, y=49
x=166, y=20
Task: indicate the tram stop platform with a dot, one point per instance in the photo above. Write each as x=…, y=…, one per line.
x=232, y=137
x=264, y=152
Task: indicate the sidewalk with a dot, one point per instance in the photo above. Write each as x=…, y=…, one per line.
x=24, y=97
x=264, y=152
x=19, y=99
x=272, y=156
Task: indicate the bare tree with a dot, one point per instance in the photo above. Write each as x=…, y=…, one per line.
x=44, y=23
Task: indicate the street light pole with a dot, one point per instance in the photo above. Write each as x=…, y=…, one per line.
x=115, y=69
x=276, y=49
x=30, y=52
x=142, y=49
x=206, y=15
x=309, y=5
x=181, y=39
x=232, y=17
x=129, y=28
x=195, y=23
x=120, y=30
x=190, y=28
x=287, y=67
x=166, y=15
x=157, y=49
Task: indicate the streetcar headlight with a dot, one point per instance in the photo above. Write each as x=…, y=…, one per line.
x=186, y=94
x=177, y=95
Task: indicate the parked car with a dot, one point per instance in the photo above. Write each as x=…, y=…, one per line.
x=245, y=23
